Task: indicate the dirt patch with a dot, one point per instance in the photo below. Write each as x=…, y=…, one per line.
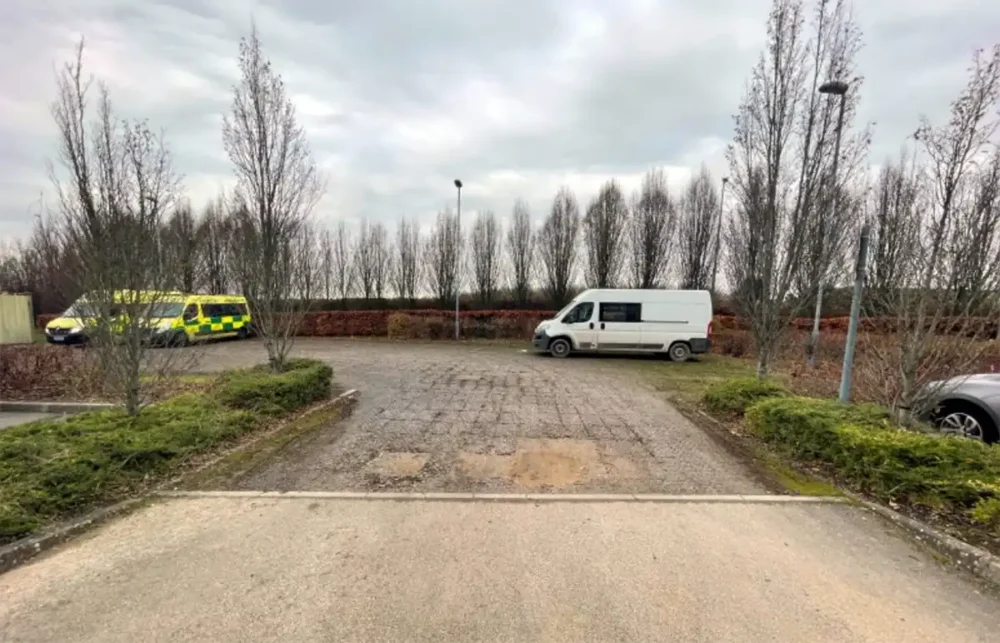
x=481, y=466
x=553, y=463
x=549, y=464
x=397, y=465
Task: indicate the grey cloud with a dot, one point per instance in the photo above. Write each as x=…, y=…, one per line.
x=514, y=96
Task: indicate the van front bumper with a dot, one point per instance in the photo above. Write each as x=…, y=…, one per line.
x=541, y=341
x=63, y=336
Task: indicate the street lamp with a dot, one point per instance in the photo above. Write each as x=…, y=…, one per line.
x=835, y=88
x=458, y=252
x=718, y=233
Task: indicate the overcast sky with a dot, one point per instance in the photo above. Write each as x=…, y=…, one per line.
x=516, y=97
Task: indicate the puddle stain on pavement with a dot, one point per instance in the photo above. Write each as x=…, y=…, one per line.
x=395, y=465
x=553, y=463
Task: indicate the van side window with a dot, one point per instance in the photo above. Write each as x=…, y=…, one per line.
x=191, y=312
x=621, y=312
x=581, y=313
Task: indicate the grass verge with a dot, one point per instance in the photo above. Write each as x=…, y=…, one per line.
x=247, y=456
x=53, y=469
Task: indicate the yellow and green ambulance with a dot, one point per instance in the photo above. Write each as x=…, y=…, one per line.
x=174, y=318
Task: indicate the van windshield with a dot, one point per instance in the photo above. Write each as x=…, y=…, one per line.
x=565, y=310
x=166, y=309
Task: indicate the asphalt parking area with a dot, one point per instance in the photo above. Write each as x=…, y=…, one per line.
x=480, y=417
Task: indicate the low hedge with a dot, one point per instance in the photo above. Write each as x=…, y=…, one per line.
x=302, y=383
x=37, y=371
x=55, y=468
x=422, y=324
x=866, y=449
x=733, y=396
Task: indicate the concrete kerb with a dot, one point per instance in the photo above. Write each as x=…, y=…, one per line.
x=20, y=551
x=968, y=557
x=62, y=408
x=507, y=497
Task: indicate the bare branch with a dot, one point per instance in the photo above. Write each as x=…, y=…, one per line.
x=604, y=230
x=521, y=251
x=441, y=258
x=557, y=245
x=407, y=267
x=486, y=255
x=277, y=187
x=653, y=221
x=698, y=221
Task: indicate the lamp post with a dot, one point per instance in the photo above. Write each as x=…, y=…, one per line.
x=458, y=252
x=835, y=88
x=718, y=233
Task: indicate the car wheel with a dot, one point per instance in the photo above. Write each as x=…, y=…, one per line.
x=559, y=348
x=679, y=352
x=966, y=421
x=242, y=333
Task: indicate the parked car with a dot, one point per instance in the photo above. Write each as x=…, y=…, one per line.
x=676, y=322
x=967, y=406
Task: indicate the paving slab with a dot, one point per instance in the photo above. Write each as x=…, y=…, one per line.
x=327, y=569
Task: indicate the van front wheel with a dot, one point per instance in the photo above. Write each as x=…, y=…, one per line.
x=559, y=348
x=679, y=352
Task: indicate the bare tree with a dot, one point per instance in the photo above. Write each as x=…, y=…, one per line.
x=180, y=247
x=699, y=219
x=826, y=201
x=406, y=274
x=894, y=226
x=557, y=245
x=343, y=263
x=365, y=260
x=43, y=265
x=946, y=297
x=277, y=188
x=215, y=234
x=973, y=242
x=767, y=233
x=381, y=259
x=654, y=218
x=604, y=230
x=115, y=182
x=441, y=257
x=486, y=237
x=326, y=262
x=521, y=251
x=307, y=262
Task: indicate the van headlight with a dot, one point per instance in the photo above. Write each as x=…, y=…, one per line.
x=167, y=325
x=75, y=329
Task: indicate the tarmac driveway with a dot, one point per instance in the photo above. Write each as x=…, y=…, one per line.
x=480, y=417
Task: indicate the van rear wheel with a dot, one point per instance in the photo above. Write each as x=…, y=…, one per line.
x=559, y=348
x=679, y=352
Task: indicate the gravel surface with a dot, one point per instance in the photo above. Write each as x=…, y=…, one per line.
x=487, y=417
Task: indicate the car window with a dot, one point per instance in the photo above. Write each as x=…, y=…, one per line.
x=615, y=312
x=191, y=312
x=581, y=313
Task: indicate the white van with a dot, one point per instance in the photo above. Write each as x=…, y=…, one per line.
x=678, y=322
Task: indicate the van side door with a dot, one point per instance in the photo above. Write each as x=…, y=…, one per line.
x=580, y=323
x=620, y=326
